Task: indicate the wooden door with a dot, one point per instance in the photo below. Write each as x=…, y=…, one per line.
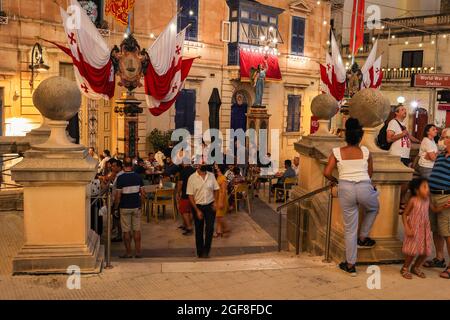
x=420, y=121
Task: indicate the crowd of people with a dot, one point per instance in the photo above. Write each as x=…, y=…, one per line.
x=204, y=193
x=425, y=209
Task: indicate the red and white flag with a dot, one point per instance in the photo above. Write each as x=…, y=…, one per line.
x=93, y=68
x=333, y=73
x=372, y=72
x=167, y=71
x=357, y=28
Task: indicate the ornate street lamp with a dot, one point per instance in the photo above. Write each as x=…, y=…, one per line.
x=37, y=62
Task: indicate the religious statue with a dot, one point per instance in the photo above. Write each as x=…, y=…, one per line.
x=258, y=77
x=238, y=113
x=354, y=80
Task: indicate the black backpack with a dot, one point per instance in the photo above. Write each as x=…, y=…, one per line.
x=382, y=136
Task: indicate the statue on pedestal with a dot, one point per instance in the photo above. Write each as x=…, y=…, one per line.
x=258, y=77
x=354, y=80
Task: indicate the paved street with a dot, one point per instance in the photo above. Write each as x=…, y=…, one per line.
x=267, y=275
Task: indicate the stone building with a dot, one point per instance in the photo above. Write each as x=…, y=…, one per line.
x=300, y=27
x=413, y=37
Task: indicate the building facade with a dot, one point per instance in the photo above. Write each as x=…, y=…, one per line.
x=413, y=37
x=219, y=29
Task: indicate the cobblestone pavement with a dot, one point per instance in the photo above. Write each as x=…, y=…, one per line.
x=267, y=275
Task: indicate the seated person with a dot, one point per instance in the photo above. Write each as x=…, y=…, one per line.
x=289, y=173
x=296, y=165
x=170, y=168
x=139, y=168
x=151, y=161
x=229, y=173
x=237, y=179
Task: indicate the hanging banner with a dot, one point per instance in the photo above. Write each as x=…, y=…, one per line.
x=119, y=9
x=249, y=59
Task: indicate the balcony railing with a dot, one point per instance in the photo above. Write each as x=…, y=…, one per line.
x=346, y=50
x=404, y=73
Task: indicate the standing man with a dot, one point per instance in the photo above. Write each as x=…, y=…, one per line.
x=398, y=135
x=203, y=192
x=129, y=193
x=439, y=183
x=184, y=205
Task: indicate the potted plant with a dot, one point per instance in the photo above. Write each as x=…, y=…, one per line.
x=159, y=140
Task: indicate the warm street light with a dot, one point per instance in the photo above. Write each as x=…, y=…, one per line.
x=37, y=62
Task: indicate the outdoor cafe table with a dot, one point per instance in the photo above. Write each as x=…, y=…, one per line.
x=269, y=177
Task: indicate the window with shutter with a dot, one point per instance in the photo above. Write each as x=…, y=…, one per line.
x=188, y=15
x=293, y=114
x=185, y=110
x=298, y=36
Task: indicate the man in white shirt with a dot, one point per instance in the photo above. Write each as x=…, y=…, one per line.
x=398, y=135
x=203, y=192
x=296, y=165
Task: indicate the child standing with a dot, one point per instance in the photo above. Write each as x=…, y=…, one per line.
x=416, y=223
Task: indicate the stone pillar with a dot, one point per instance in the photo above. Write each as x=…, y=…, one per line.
x=258, y=118
x=371, y=108
x=56, y=175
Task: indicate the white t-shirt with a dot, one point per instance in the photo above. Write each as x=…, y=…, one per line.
x=401, y=147
x=202, y=189
x=426, y=146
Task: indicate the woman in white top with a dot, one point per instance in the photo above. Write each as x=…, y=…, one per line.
x=355, y=167
x=428, y=151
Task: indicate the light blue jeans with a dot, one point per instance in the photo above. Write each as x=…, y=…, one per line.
x=351, y=196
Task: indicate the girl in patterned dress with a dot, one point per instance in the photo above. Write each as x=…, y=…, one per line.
x=417, y=228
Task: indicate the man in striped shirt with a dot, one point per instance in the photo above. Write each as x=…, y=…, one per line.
x=439, y=182
x=129, y=193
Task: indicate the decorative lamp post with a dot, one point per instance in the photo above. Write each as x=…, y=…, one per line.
x=37, y=62
x=130, y=63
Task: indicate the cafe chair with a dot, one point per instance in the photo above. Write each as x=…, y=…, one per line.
x=162, y=197
x=241, y=193
x=287, y=186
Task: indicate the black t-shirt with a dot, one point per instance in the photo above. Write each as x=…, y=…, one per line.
x=139, y=169
x=185, y=173
x=130, y=184
x=170, y=170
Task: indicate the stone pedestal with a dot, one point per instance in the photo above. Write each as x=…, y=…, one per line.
x=55, y=176
x=258, y=118
x=388, y=176
x=57, y=213
x=40, y=134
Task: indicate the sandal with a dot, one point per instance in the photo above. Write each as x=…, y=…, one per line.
x=418, y=273
x=405, y=273
x=447, y=272
x=435, y=263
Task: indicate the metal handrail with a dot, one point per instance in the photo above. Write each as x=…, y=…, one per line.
x=328, y=226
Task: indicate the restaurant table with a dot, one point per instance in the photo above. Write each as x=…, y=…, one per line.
x=269, y=178
x=153, y=175
x=151, y=189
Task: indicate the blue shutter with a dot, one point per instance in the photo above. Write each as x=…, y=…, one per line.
x=298, y=36
x=184, y=18
x=185, y=110
x=293, y=114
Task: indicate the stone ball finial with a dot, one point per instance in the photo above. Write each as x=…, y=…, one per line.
x=324, y=106
x=370, y=107
x=57, y=98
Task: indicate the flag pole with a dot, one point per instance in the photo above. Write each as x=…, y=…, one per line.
x=354, y=31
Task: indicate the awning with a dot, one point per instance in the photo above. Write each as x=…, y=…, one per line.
x=249, y=59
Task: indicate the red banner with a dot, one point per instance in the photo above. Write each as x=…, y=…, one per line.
x=357, y=29
x=119, y=9
x=249, y=59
